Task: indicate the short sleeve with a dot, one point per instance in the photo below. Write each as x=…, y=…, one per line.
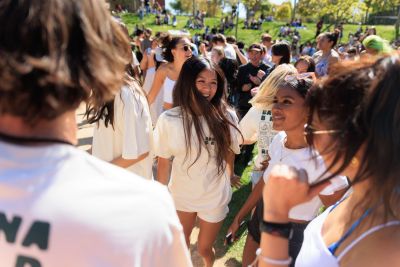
x=248, y=126
x=135, y=127
x=337, y=183
x=273, y=151
x=235, y=134
x=162, y=141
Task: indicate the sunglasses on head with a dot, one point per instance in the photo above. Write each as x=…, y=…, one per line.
x=309, y=132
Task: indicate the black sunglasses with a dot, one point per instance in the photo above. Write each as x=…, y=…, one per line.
x=186, y=48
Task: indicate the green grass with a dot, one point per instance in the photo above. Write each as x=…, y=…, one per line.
x=249, y=36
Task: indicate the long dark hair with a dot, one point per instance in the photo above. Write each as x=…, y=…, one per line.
x=105, y=112
x=362, y=101
x=282, y=49
x=214, y=112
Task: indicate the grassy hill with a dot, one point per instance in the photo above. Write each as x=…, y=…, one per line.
x=249, y=36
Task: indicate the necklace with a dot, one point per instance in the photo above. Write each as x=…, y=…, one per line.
x=31, y=140
x=289, y=152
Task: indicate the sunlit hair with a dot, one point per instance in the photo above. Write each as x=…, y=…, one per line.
x=219, y=50
x=55, y=54
x=214, y=112
x=170, y=42
x=362, y=101
x=95, y=113
x=268, y=88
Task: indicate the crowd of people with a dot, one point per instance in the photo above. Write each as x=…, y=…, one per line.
x=171, y=119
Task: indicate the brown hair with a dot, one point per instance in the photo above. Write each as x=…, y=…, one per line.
x=55, y=54
x=362, y=101
x=214, y=112
x=310, y=62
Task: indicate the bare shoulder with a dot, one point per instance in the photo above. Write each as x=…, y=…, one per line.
x=381, y=248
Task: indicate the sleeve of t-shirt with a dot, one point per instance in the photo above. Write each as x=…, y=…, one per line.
x=272, y=152
x=337, y=183
x=235, y=134
x=135, y=133
x=248, y=126
x=135, y=61
x=161, y=137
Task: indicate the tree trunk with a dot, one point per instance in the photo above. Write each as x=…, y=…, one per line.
x=398, y=22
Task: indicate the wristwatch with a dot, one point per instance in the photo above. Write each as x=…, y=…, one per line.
x=284, y=230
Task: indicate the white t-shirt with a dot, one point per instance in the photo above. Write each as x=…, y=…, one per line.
x=135, y=61
x=302, y=158
x=157, y=107
x=229, y=51
x=196, y=187
x=76, y=210
x=132, y=134
x=256, y=125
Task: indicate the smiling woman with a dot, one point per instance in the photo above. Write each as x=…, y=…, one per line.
x=176, y=50
x=201, y=135
x=354, y=124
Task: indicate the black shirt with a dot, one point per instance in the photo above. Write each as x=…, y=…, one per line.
x=244, y=78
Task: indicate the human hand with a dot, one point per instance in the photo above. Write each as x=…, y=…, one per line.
x=246, y=87
x=265, y=163
x=254, y=91
x=233, y=228
x=235, y=181
x=285, y=188
x=260, y=74
x=255, y=79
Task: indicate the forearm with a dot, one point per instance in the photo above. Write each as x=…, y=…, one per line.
x=230, y=164
x=163, y=167
x=251, y=201
x=272, y=246
x=242, y=58
x=125, y=163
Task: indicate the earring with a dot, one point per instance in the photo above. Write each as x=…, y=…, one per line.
x=354, y=162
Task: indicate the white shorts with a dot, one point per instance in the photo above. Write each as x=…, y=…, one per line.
x=211, y=216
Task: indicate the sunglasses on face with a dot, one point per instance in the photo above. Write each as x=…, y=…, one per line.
x=309, y=132
x=186, y=48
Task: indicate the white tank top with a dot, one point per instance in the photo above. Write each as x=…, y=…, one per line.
x=314, y=252
x=168, y=88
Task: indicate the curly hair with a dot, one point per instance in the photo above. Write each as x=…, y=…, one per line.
x=55, y=54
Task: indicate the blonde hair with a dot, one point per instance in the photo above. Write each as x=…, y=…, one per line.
x=268, y=88
x=219, y=50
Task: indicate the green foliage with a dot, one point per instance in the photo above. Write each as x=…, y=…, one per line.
x=337, y=10
x=177, y=6
x=283, y=11
x=249, y=36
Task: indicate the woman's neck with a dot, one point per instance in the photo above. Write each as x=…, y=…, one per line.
x=295, y=140
x=177, y=66
x=326, y=52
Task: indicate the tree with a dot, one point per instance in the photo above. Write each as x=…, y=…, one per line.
x=283, y=11
x=177, y=6
x=337, y=10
